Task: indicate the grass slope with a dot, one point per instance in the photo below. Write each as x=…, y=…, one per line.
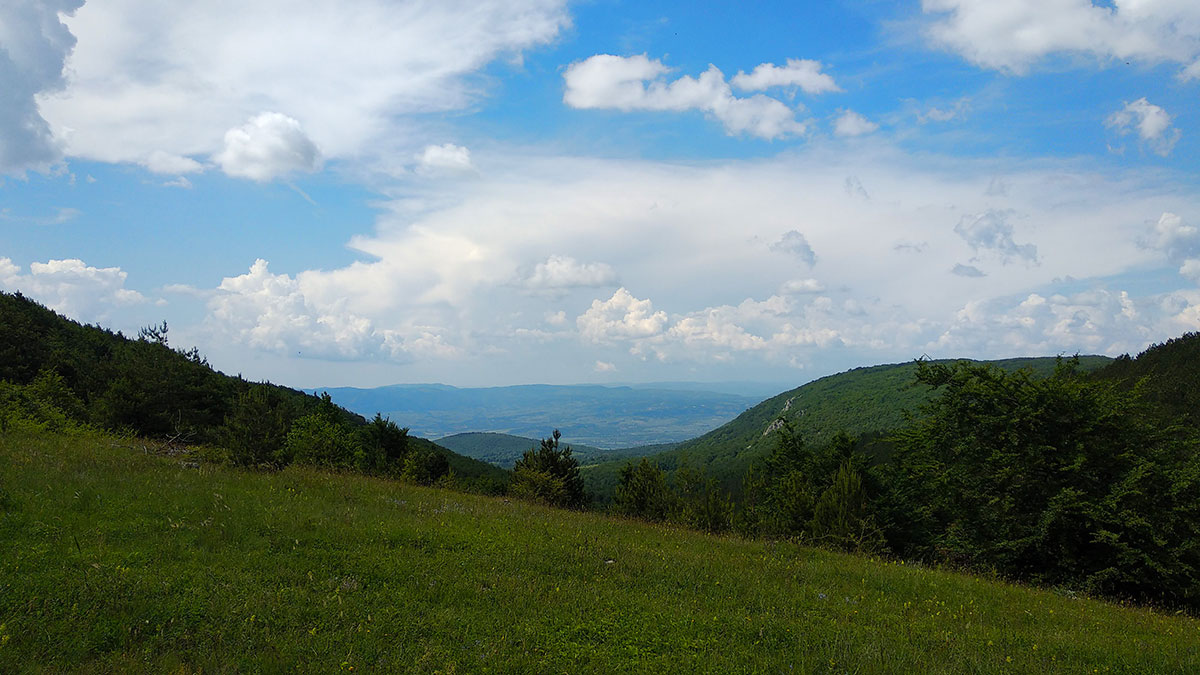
x=505, y=449
x=118, y=560
x=859, y=401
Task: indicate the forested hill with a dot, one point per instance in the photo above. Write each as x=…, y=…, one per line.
x=1168, y=374
x=871, y=400
x=56, y=370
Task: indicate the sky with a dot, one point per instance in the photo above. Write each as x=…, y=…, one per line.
x=493, y=192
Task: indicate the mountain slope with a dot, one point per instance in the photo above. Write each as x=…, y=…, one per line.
x=143, y=385
x=119, y=561
x=859, y=401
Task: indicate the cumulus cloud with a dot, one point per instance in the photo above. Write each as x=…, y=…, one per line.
x=990, y=231
x=1014, y=35
x=1152, y=123
x=34, y=44
x=166, y=163
x=850, y=123
x=967, y=271
x=150, y=76
x=620, y=317
x=71, y=287
x=632, y=83
x=1098, y=321
x=560, y=272
x=448, y=158
x=266, y=147
x=274, y=312
x=604, y=367
x=1179, y=241
x=794, y=243
x=803, y=73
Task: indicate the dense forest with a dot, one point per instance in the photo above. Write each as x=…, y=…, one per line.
x=1078, y=474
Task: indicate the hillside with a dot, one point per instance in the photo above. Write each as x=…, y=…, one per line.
x=591, y=415
x=119, y=561
x=859, y=401
x=1169, y=375
x=53, y=368
x=504, y=450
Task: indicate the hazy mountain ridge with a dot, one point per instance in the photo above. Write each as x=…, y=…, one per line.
x=600, y=416
x=504, y=450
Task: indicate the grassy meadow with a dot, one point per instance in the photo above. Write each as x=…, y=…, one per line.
x=112, y=559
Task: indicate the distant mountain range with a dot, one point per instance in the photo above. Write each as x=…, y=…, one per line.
x=604, y=417
x=504, y=450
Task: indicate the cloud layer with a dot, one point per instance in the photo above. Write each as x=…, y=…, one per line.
x=152, y=81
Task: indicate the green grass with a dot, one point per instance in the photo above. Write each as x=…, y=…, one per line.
x=115, y=560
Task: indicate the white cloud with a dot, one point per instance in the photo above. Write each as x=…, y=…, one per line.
x=181, y=182
x=166, y=163
x=266, y=147
x=1098, y=321
x=991, y=231
x=1015, y=34
x=448, y=157
x=803, y=73
x=275, y=312
x=794, y=243
x=561, y=272
x=632, y=83
x=150, y=76
x=957, y=110
x=850, y=123
x=34, y=44
x=801, y=286
x=1153, y=125
x=1179, y=241
x=969, y=271
x=71, y=287
x=620, y=317
x=604, y=367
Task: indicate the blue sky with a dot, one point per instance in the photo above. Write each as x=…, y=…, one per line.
x=479, y=193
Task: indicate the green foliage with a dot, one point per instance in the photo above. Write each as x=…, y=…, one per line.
x=644, y=493
x=1167, y=375
x=842, y=519
x=703, y=504
x=382, y=446
x=1058, y=480
x=317, y=440
x=255, y=432
x=425, y=468
x=549, y=474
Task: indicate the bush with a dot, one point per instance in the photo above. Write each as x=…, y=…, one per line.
x=550, y=474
